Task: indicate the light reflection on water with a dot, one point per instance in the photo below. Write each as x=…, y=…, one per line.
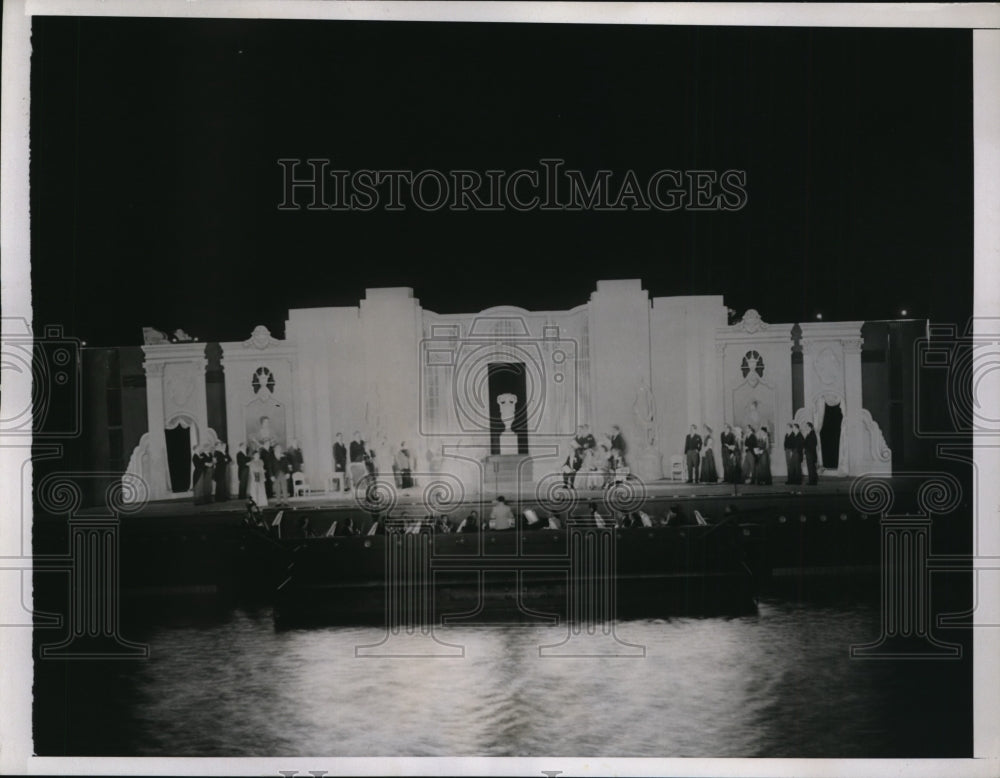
x=779, y=683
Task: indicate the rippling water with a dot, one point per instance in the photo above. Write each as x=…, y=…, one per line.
x=779, y=683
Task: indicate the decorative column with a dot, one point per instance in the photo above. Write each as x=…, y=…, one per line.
x=720, y=371
x=158, y=476
x=322, y=430
x=852, y=400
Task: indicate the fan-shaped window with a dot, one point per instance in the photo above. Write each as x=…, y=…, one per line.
x=262, y=377
x=752, y=361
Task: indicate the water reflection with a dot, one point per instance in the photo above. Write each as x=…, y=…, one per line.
x=778, y=683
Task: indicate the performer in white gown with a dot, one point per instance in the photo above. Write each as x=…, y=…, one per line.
x=256, y=490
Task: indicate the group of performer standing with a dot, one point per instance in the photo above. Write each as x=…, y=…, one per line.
x=746, y=456
x=211, y=470
x=262, y=474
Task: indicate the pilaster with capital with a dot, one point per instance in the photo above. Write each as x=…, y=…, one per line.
x=155, y=427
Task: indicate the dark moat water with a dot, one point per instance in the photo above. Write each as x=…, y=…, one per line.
x=222, y=681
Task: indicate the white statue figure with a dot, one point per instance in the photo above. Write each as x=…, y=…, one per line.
x=508, y=438
x=644, y=410
x=507, y=403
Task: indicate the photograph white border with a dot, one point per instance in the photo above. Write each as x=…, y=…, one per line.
x=15, y=299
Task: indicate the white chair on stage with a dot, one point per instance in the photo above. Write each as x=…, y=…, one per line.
x=677, y=468
x=335, y=478
x=300, y=487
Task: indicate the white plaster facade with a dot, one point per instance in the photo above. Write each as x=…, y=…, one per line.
x=831, y=373
x=653, y=366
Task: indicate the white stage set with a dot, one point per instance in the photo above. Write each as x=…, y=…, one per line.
x=493, y=398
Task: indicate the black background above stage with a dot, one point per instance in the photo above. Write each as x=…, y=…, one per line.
x=155, y=181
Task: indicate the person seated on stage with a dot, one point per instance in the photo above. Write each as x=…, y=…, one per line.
x=589, y=472
x=572, y=464
x=604, y=466
x=403, y=467
x=294, y=454
x=585, y=438
x=470, y=523
x=501, y=516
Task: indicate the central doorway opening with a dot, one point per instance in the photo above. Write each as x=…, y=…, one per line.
x=829, y=436
x=503, y=378
x=179, y=457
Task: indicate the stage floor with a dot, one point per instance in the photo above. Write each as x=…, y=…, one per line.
x=416, y=497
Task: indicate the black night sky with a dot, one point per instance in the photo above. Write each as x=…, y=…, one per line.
x=155, y=182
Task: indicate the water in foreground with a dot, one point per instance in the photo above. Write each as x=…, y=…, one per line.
x=780, y=683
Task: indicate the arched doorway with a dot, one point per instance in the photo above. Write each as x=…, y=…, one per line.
x=829, y=436
x=180, y=437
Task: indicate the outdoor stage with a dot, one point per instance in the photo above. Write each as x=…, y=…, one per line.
x=425, y=498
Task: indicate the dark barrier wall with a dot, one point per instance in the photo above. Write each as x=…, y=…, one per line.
x=892, y=383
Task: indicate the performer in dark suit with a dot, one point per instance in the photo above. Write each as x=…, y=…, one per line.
x=242, y=469
x=810, y=448
x=267, y=457
x=221, y=474
x=750, y=456
x=730, y=456
x=790, y=454
x=617, y=441
x=356, y=451
x=357, y=448
x=280, y=469
x=763, y=471
x=799, y=443
x=340, y=459
x=692, y=452
x=197, y=484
